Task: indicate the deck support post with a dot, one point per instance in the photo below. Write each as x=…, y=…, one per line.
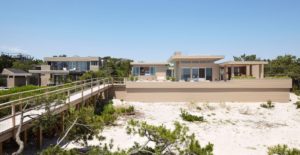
x=1, y=148
x=25, y=137
x=62, y=121
x=40, y=137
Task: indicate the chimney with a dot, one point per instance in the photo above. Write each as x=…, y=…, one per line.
x=177, y=53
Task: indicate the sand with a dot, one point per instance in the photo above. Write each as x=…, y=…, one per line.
x=233, y=128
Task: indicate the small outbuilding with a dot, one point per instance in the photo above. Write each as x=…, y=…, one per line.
x=15, y=77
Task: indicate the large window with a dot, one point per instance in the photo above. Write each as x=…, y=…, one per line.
x=143, y=71
x=152, y=70
x=195, y=73
x=71, y=65
x=186, y=74
x=239, y=71
x=135, y=71
x=202, y=73
x=209, y=74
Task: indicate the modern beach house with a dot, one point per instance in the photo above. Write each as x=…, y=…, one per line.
x=202, y=78
x=198, y=68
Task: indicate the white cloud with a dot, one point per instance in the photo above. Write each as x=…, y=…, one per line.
x=12, y=50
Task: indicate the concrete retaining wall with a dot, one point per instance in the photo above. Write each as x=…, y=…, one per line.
x=256, y=90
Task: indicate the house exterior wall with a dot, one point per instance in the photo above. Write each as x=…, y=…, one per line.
x=161, y=72
x=45, y=79
x=256, y=71
x=220, y=91
x=10, y=82
x=94, y=67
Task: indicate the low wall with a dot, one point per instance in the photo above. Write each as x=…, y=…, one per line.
x=254, y=90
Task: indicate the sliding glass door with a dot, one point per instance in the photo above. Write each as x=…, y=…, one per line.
x=209, y=74
x=186, y=74
x=195, y=73
x=201, y=73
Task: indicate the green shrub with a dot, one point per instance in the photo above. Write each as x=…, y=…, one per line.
x=189, y=117
x=277, y=77
x=18, y=89
x=297, y=104
x=269, y=105
x=297, y=92
x=125, y=110
x=109, y=119
x=243, y=77
x=283, y=150
x=109, y=109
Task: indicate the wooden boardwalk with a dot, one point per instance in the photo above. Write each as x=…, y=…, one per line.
x=76, y=94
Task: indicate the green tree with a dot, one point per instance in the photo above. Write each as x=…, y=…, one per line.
x=5, y=62
x=166, y=141
x=286, y=65
x=245, y=57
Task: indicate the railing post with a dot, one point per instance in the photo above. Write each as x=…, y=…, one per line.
x=69, y=96
x=13, y=113
x=82, y=91
x=91, y=86
x=62, y=121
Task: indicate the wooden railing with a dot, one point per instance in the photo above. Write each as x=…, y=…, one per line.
x=60, y=94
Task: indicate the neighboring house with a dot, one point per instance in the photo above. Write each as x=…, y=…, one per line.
x=15, y=77
x=58, y=69
x=198, y=68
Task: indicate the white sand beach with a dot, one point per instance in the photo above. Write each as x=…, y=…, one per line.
x=234, y=128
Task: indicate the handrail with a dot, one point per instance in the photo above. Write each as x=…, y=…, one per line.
x=31, y=100
x=49, y=87
x=46, y=93
x=83, y=83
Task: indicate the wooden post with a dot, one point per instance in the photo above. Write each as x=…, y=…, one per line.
x=62, y=121
x=82, y=99
x=1, y=148
x=13, y=113
x=91, y=86
x=25, y=137
x=40, y=137
x=69, y=100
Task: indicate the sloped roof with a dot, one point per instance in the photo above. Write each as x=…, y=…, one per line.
x=14, y=72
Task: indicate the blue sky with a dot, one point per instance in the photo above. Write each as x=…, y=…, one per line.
x=150, y=30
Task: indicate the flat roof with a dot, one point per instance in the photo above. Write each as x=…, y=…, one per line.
x=197, y=57
x=71, y=59
x=149, y=63
x=49, y=71
x=243, y=63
